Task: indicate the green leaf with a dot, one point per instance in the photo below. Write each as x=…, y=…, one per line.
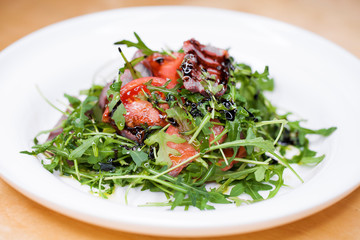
x=260, y=173
x=95, y=90
x=307, y=157
x=118, y=116
x=178, y=199
x=263, y=81
x=238, y=201
x=162, y=138
x=167, y=91
x=113, y=94
x=259, y=142
x=40, y=148
x=75, y=102
x=234, y=174
x=323, y=131
x=250, y=135
x=28, y=153
x=139, y=45
x=133, y=63
x=79, y=151
x=103, y=153
x=138, y=157
x=206, y=129
x=234, y=133
x=180, y=117
x=216, y=197
x=115, y=86
x=278, y=170
x=87, y=105
x=53, y=165
x=237, y=190
x=252, y=188
x=311, y=160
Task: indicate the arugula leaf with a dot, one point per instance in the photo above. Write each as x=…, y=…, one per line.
x=216, y=197
x=178, y=199
x=206, y=129
x=79, y=151
x=114, y=89
x=253, y=188
x=238, y=201
x=138, y=157
x=266, y=145
x=164, y=151
x=312, y=160
x=180, y=116
x=172, y=92
x=95, y=91
x=75, y=102
x=139, y=45
x=260, y=173
x=307, y=157
x=302, y=132
x=53, y=165
x=118, y=117
x=323, y=131
x=79, y=117
x=133, y=64
x=238, y=189
x=234, y=132
x=87, y=105
x=40, y=148
x=277, y=170
x=250, y=135
x=115, y=98
x=262, y=80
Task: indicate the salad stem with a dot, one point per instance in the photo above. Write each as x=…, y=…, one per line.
x=203, y=123
x=47, y=100
x=151, y=178
x=178, y=165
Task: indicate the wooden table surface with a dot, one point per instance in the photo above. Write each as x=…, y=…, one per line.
x=336, y=20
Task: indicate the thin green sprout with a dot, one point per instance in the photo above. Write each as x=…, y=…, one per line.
x=202, y=124
x=111, y=135
x=47, y=100
x=218, y=137
x=180, y=164
x=151, y=178
x=281, y=121
x=240, y=160
x=221, y=151
x=76, y=169
x=48, y=131
x=71, y=109
x=68, y=139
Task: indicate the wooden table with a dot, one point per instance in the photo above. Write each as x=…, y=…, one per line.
x=338, y=21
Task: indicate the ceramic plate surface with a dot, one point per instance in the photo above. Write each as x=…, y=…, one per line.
x=314, y=78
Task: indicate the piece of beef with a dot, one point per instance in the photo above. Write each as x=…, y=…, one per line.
x=202, y=63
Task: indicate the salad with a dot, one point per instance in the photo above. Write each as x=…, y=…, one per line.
x=175, y=121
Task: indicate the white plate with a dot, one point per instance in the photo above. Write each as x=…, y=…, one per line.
x=314, y=78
